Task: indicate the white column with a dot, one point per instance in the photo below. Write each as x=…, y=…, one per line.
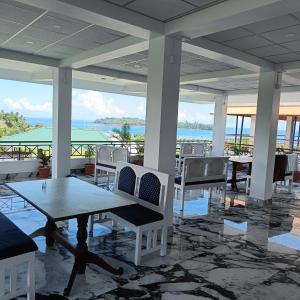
x=62, y=114
x=265, y=135
x=289, y=131
x=219, y=129
x=162, y=108
x=252, y=129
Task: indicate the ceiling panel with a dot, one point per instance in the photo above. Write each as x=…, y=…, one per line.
x=119, y=2
x=228, y=35
x=269, y=50
x=284, y=57
x=60, y=51
x=204, y=3
x=161, y=9
x=294, y=46
x=283, y=35
x=42, y=35
x=272, y=24
x=60, y=24
x=19, y=13
x=9, y=27
x=28, y=44
x=249, y=42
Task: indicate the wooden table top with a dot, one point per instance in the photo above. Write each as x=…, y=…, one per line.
x=67, y=198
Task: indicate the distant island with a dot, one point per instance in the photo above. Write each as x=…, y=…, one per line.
x=141, y=122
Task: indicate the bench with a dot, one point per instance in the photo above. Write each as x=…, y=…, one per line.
x=16, y=248
x=148, y=188
x=201, y=173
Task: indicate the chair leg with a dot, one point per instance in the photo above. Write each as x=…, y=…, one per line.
x=96, y=176
x=164, y=241
x=290, y=185
x=138, y=247
x=181, y=199
x=91, y=227
x=31, y=280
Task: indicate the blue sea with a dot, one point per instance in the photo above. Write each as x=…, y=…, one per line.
x=182, y=133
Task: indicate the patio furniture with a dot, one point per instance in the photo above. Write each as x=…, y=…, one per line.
x=239, y=161
x=280, y=173
x=190, y=150
x=201, y=173
x=16, y=248
x=106, y=159
x=69, y=198
x=148, y=189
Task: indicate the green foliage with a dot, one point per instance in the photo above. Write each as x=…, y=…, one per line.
x=118, y=121
x=42, y=155
x=124, y=133
x=12, y=123
x=194, y=125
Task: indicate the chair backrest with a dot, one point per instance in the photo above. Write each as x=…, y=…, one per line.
x=104, y=153
x=145, y=186
x=186, y=148
x=292, y=164
x=120, y=154
x=193, y=149
x=280, y=167
x=197, y=169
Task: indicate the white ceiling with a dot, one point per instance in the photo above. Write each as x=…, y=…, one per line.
x=276, y=40
x=36, y=31
x=165, y=10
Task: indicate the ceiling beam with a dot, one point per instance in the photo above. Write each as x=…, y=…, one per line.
x=221, y=53
x=102, y=14
x=284, y=89
x=217, y=75
x=119, y=48
x=201, y=89
x=230, y=14
x=29, y=58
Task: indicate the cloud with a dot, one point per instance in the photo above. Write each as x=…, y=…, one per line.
x=182, y=116
x=95, y=103
x=24, y=105
x=141, y=108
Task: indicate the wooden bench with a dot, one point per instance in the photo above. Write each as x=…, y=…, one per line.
x=16, y=248
x=148, y=188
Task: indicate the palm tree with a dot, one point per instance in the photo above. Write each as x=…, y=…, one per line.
x=123, y=133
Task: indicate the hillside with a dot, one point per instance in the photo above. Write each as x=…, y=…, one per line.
x=141, y=122
x=13, y=123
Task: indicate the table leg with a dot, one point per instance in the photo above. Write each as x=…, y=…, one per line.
x=81, y=248
x=233, y=177
x=49, y=229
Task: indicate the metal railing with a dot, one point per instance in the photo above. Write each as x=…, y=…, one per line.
x=15, y=150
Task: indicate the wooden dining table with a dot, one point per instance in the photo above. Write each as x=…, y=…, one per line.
x=236, y=162
x=69, y=198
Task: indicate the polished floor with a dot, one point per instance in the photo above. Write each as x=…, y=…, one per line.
x=220, y=249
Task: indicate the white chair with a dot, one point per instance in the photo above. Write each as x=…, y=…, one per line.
x=201, y=173
x=107, y=164
x=16, y=249
x=148, y=188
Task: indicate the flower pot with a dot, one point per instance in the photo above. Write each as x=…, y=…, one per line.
x=89, y=169
x=44, y=172
x=139, y=162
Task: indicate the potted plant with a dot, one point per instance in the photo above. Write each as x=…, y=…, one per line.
x=89, y=167
x=140, y=155
x=44, y=169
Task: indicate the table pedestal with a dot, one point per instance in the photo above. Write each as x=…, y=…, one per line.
x=81, y=253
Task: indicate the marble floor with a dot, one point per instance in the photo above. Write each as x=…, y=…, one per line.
x=220, y=249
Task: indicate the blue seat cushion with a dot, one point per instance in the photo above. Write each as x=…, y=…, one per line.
x=13, y=241
x=178, y=181
x=137, y=214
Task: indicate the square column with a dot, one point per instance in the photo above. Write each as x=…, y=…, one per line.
x=219, y=129
x=62, y=115
x=265, y=135
x=289, y=132
x=252, y=130
x=162, y=108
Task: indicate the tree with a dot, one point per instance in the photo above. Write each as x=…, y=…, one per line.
x=123, y=134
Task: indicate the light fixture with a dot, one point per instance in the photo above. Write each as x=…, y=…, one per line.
x=29, y=42
x=290, y=35
x=57, y=26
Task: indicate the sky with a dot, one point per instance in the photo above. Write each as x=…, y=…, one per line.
x=35, y=101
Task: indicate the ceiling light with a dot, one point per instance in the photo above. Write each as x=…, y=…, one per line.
x=29, y=42
x=57, y=26
x=290, y=35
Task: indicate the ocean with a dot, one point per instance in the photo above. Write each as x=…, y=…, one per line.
x=182, y=133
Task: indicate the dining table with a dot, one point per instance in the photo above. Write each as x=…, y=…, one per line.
x=237, y=161
x=70, y=198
